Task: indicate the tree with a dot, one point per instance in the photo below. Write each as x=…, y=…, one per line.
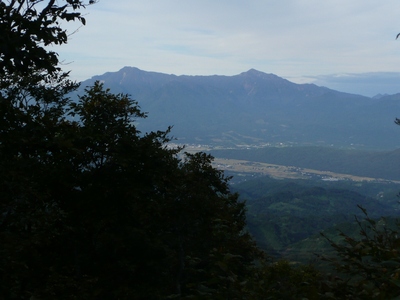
x=33, y=87
x=369, y=267
x=123, y=216
x=27, y=27
x=90, y=207
x=30, y=74
x=133, y=188
x=33, y=91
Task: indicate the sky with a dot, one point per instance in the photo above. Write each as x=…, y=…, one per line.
x=300, y=40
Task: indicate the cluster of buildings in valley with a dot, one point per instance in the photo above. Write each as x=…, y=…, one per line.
x=196, y=147
x=243, y=169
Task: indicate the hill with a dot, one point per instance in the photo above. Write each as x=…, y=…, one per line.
x=255, y=108
x=285, y=216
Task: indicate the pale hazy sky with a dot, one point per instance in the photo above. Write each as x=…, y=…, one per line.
x=294, y=39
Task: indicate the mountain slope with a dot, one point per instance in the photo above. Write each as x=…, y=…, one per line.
x=283, y=212
x=254, y=108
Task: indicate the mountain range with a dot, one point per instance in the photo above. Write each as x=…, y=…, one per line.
x=255, y=108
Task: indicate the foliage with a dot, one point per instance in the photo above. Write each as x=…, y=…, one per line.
x=114, y=213
x=26, y=27
x=32, y=97
x=370, y=265
x=91, y=208
x=284, y=280
x=33, y=90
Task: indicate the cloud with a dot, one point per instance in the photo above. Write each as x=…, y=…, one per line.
x=290, y=38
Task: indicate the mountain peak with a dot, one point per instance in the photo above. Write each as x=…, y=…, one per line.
x=255, y=108
x=254, y=71
x=259, y=74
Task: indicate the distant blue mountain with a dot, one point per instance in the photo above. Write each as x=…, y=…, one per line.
x=257, y=108
x=366, y=84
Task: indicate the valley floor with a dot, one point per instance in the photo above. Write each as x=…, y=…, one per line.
x=286, y=172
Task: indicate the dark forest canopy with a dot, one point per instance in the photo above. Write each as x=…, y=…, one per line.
x=91, y=207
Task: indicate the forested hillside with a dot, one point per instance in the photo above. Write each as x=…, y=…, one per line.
x=281, y=213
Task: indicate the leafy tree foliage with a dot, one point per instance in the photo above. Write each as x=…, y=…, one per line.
x=32, y=88
x=370, y=265
x=285, y=280
x=27, y=26
x=90, y=207
x=114, y=214
x=32, y=100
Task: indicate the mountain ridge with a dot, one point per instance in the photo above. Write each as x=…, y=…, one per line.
x=264, y=108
